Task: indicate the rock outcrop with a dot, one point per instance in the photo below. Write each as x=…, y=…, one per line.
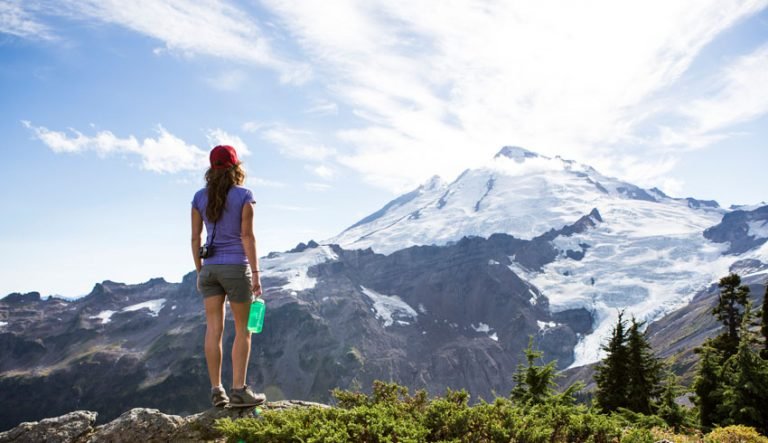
x=137, y=425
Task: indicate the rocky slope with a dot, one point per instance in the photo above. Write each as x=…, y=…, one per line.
x=137, y=425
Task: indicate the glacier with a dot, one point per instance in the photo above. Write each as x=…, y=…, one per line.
x=647, y=257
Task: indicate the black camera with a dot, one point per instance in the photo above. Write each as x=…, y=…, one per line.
x=205, y=251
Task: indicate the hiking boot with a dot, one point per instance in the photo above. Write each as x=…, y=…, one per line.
x=241, y=398
x=219, y=397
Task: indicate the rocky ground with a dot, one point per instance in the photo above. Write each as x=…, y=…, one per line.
x=136, y=425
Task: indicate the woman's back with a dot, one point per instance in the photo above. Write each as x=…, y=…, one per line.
x=227, y=240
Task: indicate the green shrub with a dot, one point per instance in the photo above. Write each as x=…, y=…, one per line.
x=735, y=434
x=638, y=435
x=390, y=414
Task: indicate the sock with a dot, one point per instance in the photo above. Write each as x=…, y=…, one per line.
x=217, y=388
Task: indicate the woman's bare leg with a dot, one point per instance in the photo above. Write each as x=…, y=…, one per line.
x=214, y=319
x=241, y=348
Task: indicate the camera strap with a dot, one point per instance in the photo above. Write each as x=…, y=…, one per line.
x=213, y=234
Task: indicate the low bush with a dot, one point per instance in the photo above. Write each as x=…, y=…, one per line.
x=391, y=414
x=735, y=434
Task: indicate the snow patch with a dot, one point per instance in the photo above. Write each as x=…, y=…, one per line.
x=104, y=316
x=3, y=323
x=484, y=328
x=153, y=305
x=293, y=267
x=545, y=325
x=422, y=309
x=758, y=229
x=534, y=298
x=493, y=262
x=387, y=307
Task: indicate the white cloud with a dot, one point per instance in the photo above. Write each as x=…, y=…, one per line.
x=221, y=137
x=323, y=107
x=165, y=153
x=297, y=143
x=742, y=95
x=264, y=183
x=16, y=21
x=317, y=187
x=189, y=27
x=252, y=126
x=229, y=80
x=441, y=89
x=321, y=171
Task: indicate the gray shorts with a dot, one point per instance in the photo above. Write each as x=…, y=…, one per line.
x=232, y=280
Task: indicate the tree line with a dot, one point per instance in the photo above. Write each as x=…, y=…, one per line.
x=731, y=383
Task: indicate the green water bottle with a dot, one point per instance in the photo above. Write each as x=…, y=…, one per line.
x=256, y=317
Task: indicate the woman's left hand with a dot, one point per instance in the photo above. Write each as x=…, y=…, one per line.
x=256, y=287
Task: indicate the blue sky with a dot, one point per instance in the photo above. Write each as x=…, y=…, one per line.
x=109, y=109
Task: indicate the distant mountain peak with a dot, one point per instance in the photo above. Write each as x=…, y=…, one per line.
x=433, y=183
x=515, y=153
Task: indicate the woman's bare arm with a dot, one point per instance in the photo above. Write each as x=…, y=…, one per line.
x=249, y=244
x=197, y=238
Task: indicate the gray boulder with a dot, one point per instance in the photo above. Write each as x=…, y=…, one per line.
x=73, y=427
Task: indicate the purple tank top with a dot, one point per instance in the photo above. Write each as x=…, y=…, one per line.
x=227, y=244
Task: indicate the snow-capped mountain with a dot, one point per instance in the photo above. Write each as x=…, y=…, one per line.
x=647, y=254
x=527, y=246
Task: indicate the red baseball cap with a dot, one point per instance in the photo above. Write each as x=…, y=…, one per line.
x=223, y=157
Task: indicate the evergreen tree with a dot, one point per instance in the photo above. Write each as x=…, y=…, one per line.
x=745, y=390
x=729, y=311
x=706, y=386
x=764, y=324
x=611, y=373
x=672, y=413
x=533, y=384
x=643, y=371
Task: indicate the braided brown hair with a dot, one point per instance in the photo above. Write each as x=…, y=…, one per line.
x=217, y=183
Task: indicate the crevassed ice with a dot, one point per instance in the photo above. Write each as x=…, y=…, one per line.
x=386, y=307
x=293, y=267
x=645, y=258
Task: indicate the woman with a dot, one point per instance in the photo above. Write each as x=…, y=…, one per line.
x=230, y=270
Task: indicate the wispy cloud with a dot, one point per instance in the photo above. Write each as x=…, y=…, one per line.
x=296, y=143
x=323, y=107
x=165, y=153
x=229, y=80
x=322, y=171
x=264, y=183
x=191, y=27
x=221, y=137
x=742, y=95
x=15, y=20
x=440, y=89
x=316, y=187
